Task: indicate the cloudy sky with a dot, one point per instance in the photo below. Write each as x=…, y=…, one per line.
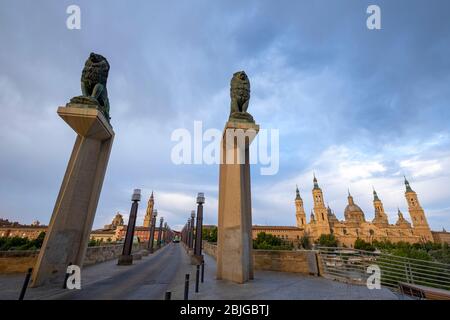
x=358, y=107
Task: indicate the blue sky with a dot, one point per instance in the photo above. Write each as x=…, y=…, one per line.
x=360, y=108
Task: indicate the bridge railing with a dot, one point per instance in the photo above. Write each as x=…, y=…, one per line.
x=351, y=265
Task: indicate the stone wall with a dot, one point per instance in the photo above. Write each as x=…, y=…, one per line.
x=102, y=253
x=17, y=261
x=303, y=261
x=21, y=261
x=210, y=249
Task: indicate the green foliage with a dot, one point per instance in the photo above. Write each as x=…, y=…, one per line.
x=423, y=251
x=95, y=243
x=305, y=242
x=363, y=245
x=209, y=234
x=19, y=243
x=327, y=240
x=265, y=241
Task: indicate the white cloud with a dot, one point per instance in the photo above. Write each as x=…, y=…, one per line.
x=420, y=168
x=341, y=167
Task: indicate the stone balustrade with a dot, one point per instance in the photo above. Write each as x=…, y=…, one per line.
x=301, y=261
x=21, y=261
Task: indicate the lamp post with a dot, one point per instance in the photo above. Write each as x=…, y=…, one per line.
x=160, y=231
x=199, y=226
x=126, y=258
x=191, y=244
x=183, y=234
x=165, y=233
x=190, y=235
x=152, y=231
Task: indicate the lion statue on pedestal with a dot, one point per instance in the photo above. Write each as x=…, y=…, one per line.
x=240, y=97
x=93, y=84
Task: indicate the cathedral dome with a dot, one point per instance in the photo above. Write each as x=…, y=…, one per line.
x=353, y=212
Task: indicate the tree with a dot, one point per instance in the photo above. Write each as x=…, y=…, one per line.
x=305, y=242
x=327, y=240
x=267, y=241
x=39, y=240
x=210, y=234
x=363, y=245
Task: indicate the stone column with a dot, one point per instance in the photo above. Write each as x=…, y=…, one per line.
x=73, y=215
x=234, y=245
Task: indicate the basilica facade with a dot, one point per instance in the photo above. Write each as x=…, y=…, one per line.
x=355, y=225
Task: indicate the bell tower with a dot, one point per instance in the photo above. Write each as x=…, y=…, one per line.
x=420, y=223
x=148, y=214
x=381, y=218
x=300, y=214
x=320, y=210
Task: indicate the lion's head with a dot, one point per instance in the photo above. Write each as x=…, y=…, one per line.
x=240, y=85
x=95, y=70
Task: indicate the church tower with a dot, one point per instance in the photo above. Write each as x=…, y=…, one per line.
x=300, y=214
x=148, y=214
x=320, y=211
x=381, y=218
x=420, y=224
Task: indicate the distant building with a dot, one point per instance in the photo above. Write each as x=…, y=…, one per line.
x=117, y=230
x=15, y=229
x=441, y=236
x=324, y=221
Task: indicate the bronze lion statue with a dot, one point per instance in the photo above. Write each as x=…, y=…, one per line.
x=93, y=84
x=240, y=97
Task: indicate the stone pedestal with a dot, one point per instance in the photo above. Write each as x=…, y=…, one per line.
x=73, y=215
x=234, y=245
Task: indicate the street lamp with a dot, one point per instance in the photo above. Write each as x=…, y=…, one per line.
x=126, y=258
x=199, y=226
x=191, y=244
x=189, y=234
x=165, y=233
x=152, y=231
x=160, y=231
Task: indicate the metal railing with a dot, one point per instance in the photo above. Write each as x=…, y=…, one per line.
x=351, y=265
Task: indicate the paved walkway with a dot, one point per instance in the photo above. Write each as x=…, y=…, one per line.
x=270, y=285
x=165, y=270
x=147, y=279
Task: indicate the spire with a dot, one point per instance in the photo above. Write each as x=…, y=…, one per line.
x=151, y=196
x=312, y=216
x=316, y=185
x=408, y=187
x=375, y=195
x=350, y=198
x=297, y=194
